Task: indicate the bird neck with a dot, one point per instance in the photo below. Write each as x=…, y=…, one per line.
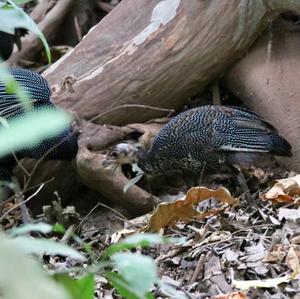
x=147, y=162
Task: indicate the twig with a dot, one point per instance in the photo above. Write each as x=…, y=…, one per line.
x=87, y=215
x=24, y=191
x=115, y=211
x=198, y=269
x=23, y=202
x=68, y=234
x=41, y=9
x=20, y=164
x=131, y=106
x=216, y=93
x=105, y=6
x=77, y=28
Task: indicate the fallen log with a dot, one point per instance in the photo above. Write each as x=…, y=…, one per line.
x=157, y=53
x=267, y=79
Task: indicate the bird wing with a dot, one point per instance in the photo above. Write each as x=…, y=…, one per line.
x=246, y=131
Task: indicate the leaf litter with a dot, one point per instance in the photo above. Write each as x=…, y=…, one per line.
x=232, y=248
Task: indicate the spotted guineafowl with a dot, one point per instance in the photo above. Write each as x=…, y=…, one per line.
x=7, y=42
x=61, y=147
x=209, y=136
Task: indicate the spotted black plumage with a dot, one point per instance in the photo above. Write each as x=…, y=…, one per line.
x=207, y=135
x=8, y=40
x=61, y=147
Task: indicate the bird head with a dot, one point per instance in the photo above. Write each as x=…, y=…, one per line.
x=124, y=153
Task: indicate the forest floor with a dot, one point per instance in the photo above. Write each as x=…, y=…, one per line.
x=249, y=248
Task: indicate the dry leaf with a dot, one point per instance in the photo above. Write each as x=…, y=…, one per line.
x=292, y=260
x=290, y=252
x=290, y=214
x=284, y=190
x=235, y=295
x=275, y=256
x=295, y=240
x=166, y=214
x=121, y=234
x=215, y=237
x=266, y=283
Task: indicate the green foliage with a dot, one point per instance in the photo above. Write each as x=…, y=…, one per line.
x=28, y=280
x=44, y=246
x=137, y=274
x=12, y=16
x=12, y=87
x=37, y=126
x=121, y=285
x=82, y=288
x=43, y=228
x=20, y=2
x=142, y=240
x=23, y=277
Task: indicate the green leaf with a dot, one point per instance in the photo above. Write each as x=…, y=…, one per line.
x=143, y=240
x=31, y=129
x=19, y=2
x=58, y=228
x=171, y=291
x=12, y=16
x=121, y=286
x=82, y=288
x=13, y=87
x=43, y=228
x=138, y=271
x=22, y=277
x=43, y=246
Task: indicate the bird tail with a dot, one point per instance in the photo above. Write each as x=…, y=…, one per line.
x=280, y=146
x=258, y=141
x=253, y=134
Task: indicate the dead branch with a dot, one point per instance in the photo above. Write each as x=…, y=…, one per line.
x=41, y=9
x=31, y=44
x=109, y=181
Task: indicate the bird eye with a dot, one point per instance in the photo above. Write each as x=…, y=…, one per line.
x=114, y=154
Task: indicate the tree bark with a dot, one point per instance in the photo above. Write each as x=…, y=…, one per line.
x=157, y=53
x=267, y=79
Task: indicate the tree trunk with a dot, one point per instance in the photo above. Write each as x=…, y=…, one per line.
x=156, y=53
x=267, y=80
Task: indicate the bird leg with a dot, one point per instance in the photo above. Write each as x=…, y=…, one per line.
x=193, y=179
x=242, y=184
x=202, y=173
x=148, y=186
